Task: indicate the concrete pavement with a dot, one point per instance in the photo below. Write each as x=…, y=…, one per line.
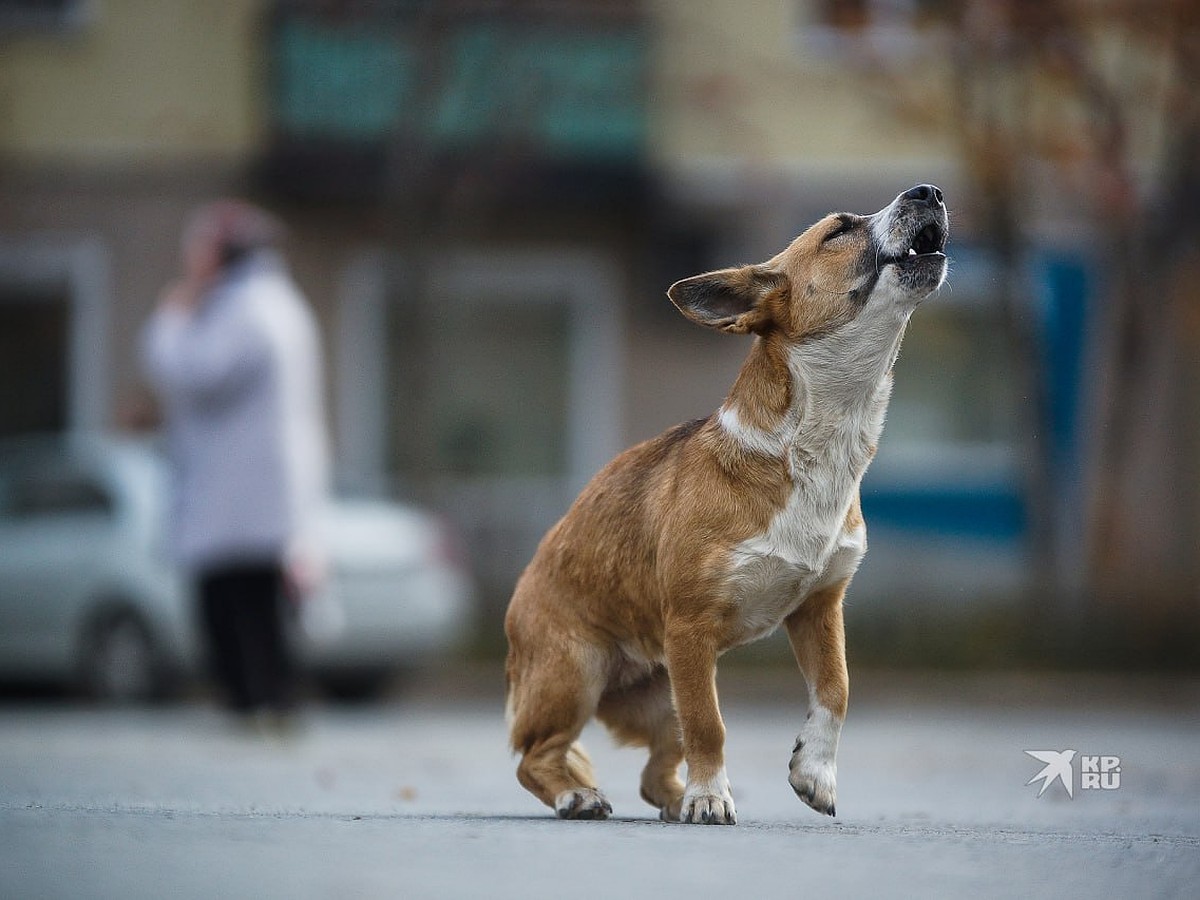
x=417, y=798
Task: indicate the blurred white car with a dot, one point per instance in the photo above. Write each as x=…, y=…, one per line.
x=88, y=597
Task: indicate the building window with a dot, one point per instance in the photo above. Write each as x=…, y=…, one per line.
x=492, y=395
x=949, y=460
x=496, y=375
x=20, y=16
x=376, y=96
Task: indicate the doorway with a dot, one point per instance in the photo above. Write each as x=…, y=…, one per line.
x=504, y=398
x=34, y=360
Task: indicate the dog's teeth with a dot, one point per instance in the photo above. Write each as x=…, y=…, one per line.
x=912, y=251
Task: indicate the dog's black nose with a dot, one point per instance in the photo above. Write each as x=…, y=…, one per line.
x=928, y=194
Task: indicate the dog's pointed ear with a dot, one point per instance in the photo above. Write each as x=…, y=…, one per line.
x=732, y=300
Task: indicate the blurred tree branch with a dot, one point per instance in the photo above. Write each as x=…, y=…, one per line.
x=1089, y=112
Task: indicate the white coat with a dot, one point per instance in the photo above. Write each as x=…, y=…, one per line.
x=240, y=382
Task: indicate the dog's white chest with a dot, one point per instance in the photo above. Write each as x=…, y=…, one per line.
x=774, y=572
x=806, y=545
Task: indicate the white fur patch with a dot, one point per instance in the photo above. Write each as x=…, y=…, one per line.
x=718, y=784
x=766, y=443
x=812, y=772
x=881, y=225
x=841, y=385
x=849, y=552
x=842, y=390
x=819, y=735
x=709, y=802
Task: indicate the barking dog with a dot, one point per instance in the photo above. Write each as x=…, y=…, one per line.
x=719, y=531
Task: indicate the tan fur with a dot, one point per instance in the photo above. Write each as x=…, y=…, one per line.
x=630, y=599
x=818, y=642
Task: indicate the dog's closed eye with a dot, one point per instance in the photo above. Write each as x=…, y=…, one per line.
x=843, y=227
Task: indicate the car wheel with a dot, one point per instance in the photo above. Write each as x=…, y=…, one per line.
x=358, y=686
x=119, y=664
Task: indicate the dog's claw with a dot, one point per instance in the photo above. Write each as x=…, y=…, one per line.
x=708, y=809
x=812, y=772
x=719, y=814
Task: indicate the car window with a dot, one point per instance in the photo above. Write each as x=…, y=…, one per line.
x=53, y=491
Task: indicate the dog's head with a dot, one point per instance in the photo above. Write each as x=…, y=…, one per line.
x=827, y=277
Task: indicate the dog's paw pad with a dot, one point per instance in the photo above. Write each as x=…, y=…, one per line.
x=582, y=803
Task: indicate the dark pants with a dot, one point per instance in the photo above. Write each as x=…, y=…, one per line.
x=243, y=609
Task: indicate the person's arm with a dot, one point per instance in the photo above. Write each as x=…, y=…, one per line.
x=194, y=363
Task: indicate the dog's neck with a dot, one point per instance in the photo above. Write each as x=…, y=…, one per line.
x=822, y=399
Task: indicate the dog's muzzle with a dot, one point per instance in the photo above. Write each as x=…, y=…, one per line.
x=911, y=234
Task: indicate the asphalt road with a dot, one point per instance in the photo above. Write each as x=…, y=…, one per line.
x=416, y=798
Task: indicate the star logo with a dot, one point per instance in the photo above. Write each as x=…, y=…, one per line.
x=1057, y=768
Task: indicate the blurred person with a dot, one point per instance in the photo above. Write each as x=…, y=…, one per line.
x=233, y=353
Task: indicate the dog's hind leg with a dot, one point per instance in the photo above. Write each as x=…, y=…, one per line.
x=644, y=716
x=549, y=703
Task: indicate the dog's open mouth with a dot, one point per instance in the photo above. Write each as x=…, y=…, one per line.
x=930, y=239
x=929, y=243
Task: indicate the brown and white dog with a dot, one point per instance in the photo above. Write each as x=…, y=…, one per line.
x=717, y=532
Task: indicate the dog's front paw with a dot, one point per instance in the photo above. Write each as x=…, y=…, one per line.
x=708, y=802
x=813, y=769
x=815, y=782
x=582, y=803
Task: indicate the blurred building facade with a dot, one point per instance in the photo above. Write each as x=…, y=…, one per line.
x=487, y=202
